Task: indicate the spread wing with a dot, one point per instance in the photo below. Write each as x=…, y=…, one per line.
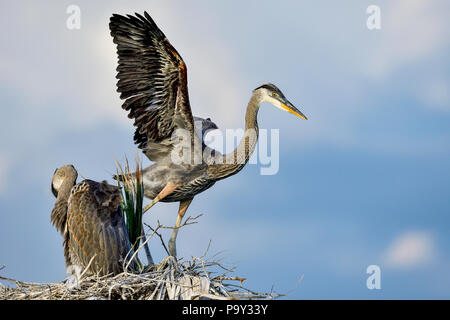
x=153, y=81
x=96, y=227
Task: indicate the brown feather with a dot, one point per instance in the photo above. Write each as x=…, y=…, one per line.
x=152, y=80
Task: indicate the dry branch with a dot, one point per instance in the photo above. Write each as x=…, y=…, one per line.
x=171, y=279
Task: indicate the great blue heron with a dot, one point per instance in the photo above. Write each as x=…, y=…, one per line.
x=153, y=81
x=89, y=217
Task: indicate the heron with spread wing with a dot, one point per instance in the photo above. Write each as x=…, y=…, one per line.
x=153, y=82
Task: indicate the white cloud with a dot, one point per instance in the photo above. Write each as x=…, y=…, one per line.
x=73, y=72
x=410, y=249
x=410, y=30
x=66, y=79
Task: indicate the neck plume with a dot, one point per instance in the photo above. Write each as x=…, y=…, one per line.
x=59, y=212
x=234, y=161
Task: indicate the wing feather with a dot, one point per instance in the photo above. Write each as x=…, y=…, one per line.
x=152, y=80
x=95, y=227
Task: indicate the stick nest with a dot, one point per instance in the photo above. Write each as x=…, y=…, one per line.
x=170, y=280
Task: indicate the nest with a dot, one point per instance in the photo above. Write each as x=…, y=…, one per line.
x=172, y=279
x=169, y=280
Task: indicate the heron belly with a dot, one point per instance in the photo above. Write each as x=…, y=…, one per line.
x=191, y=181
x=189, y=190
x=154, y=179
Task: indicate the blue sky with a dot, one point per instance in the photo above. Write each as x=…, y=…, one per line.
x=364, y=181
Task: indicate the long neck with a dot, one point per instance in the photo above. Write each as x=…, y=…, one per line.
x=59, y=212
x=234, y=161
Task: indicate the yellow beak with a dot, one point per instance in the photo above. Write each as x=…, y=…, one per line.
x=290, y=108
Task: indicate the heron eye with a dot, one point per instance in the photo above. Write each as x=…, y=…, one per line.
x=274, y=94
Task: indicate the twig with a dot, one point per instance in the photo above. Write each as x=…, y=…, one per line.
x=160, y=237
x=185, y=223
x=87, y=267
x=136, y=252
x=241, y=280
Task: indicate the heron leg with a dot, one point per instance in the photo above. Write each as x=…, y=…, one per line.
x=168, y=189
x=181, y=211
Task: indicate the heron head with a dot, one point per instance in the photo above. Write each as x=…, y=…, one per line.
x=270, y=93
x=65, y=173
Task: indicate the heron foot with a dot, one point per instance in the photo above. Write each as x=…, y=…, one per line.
x=72, y=282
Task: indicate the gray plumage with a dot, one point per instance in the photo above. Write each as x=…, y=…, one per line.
x=153, y=81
